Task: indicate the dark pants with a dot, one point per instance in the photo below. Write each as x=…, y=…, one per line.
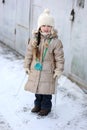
x=43, y=101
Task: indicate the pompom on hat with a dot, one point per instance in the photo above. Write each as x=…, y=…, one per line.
x=45, y=19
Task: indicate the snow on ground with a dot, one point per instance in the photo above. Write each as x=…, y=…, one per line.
x=69, y=110
x=3, y=124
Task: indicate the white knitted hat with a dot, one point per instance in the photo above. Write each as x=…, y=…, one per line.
x=45, y=19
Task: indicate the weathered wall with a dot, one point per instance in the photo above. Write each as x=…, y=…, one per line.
x=7, y=21
x=19, y=17
x=78, y=42
x=14, y=23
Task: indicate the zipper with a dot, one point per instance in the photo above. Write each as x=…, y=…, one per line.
x=38, y=82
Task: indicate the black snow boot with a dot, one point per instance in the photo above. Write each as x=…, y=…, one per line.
x=36, y=109
x=43, y=112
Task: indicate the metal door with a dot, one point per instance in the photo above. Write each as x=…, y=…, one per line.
x=78, y=42
x=8, y=18
x=22, y=25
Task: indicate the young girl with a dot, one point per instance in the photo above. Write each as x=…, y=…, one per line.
x=44, y=61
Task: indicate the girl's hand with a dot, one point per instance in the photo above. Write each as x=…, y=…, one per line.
x=57, y=74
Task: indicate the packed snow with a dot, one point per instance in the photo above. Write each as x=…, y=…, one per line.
x=69, y=111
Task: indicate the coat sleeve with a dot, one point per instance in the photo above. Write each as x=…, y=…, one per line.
x=28, y=55
x=59, y=57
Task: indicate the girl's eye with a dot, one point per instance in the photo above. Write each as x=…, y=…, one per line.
x=43, y=25
x=48, y=26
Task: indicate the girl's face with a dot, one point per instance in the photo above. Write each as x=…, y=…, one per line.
x=46, y=29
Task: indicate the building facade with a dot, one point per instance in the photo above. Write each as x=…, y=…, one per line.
x=19, y=17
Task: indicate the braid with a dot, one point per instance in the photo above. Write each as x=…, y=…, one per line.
x=38, y=38
x=38, y=42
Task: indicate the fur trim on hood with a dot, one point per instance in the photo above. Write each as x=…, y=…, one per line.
x=53, y=34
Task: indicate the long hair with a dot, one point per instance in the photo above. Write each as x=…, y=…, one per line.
x=38, y=38
x=38, y=42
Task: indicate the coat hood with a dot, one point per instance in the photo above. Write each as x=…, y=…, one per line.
x=53, y=34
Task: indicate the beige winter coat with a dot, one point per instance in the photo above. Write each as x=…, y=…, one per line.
x=42, y=82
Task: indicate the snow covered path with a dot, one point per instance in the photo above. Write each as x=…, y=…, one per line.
x=3, y=124
x=16, y=104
